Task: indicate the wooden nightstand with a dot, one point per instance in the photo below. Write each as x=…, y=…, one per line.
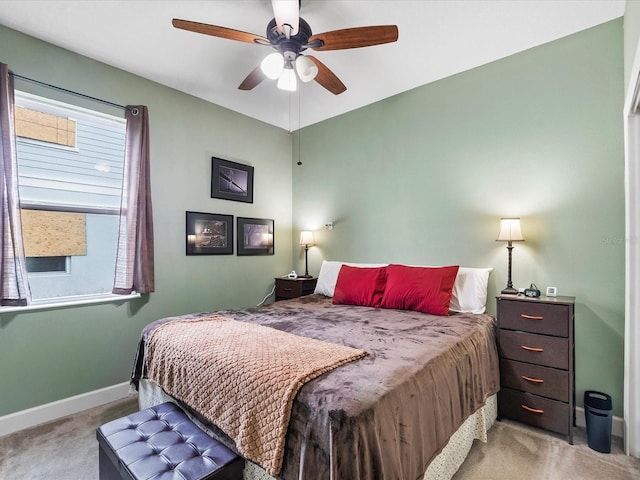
x=294, y=287
x=536, y=348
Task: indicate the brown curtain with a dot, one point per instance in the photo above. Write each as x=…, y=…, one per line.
x=134, y=262
x=14, y=287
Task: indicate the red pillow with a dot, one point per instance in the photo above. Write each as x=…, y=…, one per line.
x=422, y=289
x=360, y=286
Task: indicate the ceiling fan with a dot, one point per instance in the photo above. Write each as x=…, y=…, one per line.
x=290, y=35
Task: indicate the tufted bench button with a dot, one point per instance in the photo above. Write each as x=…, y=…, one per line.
x=162, y=440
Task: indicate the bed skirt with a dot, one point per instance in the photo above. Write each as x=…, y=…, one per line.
x=444, y=466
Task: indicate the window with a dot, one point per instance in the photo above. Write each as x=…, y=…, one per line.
x=70, y=166
x=47, y=264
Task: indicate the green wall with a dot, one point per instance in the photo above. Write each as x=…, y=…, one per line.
x=424, y=177
x=52, y=354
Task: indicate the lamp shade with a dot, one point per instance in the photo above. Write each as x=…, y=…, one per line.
x=307, y=70
x=287, y=80
x=306, y=237
x=510, y=230
x=272, y=65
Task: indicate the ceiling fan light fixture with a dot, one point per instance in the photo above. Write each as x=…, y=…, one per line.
x=272, y=65
x=287, y=12
x=287, y=80
x=306, y=68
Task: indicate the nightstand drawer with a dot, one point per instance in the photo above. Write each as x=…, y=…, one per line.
x=532, y=348
x=535, y=317
x=288, y=289
x=544, y=381
x=534, y=410
x=294, y=287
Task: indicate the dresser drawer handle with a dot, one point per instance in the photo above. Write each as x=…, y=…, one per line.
x=531, y=317
x=533, y=380
x=532, y=410
x=288, y=289
x=532, y=349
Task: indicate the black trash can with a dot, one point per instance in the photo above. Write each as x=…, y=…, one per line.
x=597, y=412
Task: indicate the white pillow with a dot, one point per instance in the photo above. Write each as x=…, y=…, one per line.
x=469, y=290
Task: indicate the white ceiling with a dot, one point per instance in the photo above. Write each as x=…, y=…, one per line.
x=437, y=38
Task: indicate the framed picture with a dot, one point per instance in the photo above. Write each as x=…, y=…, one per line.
x=209, y=234
x=231, y=181
x=255, y=236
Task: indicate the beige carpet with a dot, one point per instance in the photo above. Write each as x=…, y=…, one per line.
x=67, y=449
x=64, y=449
x=516, y=451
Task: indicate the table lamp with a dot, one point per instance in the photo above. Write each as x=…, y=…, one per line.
x=510, y=232
x=306, y=239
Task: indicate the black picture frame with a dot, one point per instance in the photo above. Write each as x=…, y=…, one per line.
x=255, y=236
x=209, y=234
x=231, y=180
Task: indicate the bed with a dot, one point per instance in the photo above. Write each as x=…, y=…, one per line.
x=423, y=382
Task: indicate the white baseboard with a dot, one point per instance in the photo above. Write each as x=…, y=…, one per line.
x=61, y=408
x=617, y=423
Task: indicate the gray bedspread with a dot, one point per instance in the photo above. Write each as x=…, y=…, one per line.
x=385, y=416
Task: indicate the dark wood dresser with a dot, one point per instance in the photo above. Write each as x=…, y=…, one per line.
x=294, y=287
x=536, y=348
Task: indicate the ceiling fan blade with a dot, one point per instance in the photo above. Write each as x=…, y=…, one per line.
x=253, y=79
x=221, y=32
x=327, y=78
x=354, y=37
x=286, y=12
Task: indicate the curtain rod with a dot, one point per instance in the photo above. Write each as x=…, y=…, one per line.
x=89, y=97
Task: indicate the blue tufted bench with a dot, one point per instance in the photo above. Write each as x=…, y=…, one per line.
x=161, y=443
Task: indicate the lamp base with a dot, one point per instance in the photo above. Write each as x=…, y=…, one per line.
x=305, y=276
x=509, y=291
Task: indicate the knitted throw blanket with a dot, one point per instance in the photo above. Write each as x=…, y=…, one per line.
x=240, y=376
